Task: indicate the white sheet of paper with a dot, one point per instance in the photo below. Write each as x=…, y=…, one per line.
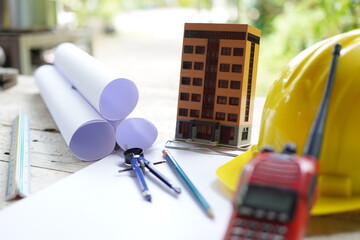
x=100, y=203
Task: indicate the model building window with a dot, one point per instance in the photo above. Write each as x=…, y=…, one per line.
x=220, y=116
x=184, y=96
x=203, y=132
x=187, y=65
x=194, y=113
x=184, y=129
x=185, y=81
x=207, y=114
x=188, y=49
x=211, y=68
x=234, y=101
x=197, y=81
x=199, y=66
x=247, y=110
x=212, y=53
x=208, y=99
x=223, y=83
x=183, y=112
x=211, y=84
x=238, y=52
x=224, y=67
x=226, y=51
x=221, y=99
x=226, y=134
x=235, y=84
x=232, y=117
x=195, y=97
x=237, y=68
x=244, y=134
x=200, y=50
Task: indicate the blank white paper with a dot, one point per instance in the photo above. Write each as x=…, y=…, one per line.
x=100, y=203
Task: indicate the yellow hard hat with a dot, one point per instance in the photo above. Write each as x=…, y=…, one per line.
x=289, y=112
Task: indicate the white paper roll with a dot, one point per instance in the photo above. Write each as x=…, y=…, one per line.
x=135, y=133
x=114, y=98
x=89, y=136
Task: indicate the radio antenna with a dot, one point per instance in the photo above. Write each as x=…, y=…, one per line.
x=313, y=144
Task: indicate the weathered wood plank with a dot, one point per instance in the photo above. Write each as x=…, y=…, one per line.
x=48, y=151
x=25, y=97
x=50, y=158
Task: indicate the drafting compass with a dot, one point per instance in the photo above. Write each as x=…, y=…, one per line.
x=134, y=157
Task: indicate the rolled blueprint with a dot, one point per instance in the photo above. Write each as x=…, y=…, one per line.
x=88, y=135
x=114, y=98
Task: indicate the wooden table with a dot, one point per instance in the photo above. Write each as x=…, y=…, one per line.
x=51, y=159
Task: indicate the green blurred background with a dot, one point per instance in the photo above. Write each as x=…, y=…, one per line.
x=288, y=26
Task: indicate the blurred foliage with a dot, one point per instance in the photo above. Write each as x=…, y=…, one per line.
x=297, y=24
x=195, y=3
x=290, y=26
x=108, y=9
x=261, y=13
x=85, y=9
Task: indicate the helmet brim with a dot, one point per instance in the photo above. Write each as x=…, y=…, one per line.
x=329, y=205
x=229, y=175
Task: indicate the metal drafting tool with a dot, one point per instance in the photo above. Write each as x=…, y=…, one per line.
x=18, y=182
x=130, y=168
x=135, y=158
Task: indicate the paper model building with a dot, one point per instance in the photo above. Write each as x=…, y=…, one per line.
x=217, y=83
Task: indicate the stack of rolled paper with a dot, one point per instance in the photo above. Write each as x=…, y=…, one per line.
x=91, y=105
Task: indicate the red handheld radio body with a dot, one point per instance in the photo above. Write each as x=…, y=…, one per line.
x=276, y=190
x=274, y=197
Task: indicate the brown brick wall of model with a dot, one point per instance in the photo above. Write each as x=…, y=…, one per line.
x=217, y=83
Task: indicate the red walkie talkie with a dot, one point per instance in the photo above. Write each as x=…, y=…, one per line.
x=277, y=190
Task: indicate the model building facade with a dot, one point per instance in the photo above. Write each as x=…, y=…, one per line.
x=217, y=83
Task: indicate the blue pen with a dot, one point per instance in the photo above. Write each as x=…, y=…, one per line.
x=203, y=203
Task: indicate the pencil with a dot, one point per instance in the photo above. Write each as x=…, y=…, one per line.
x=201, y=200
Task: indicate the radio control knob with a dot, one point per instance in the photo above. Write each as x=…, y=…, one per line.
x=267, y=148
x=289, y=148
